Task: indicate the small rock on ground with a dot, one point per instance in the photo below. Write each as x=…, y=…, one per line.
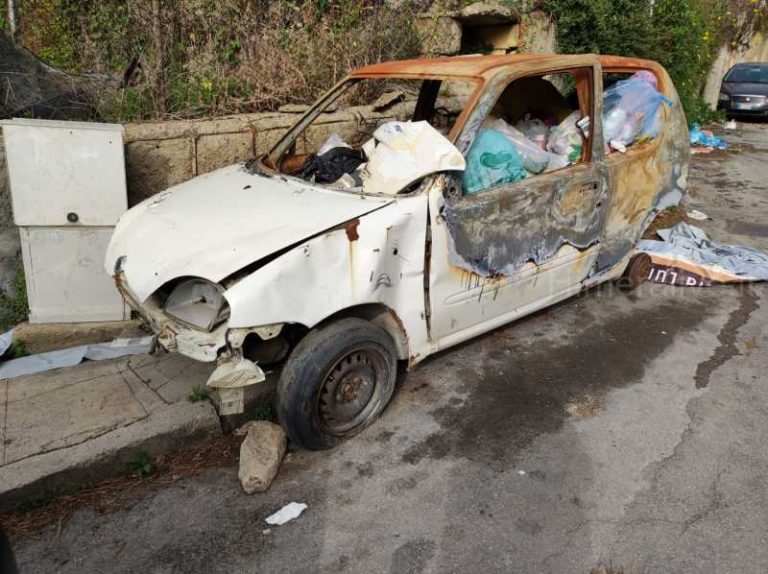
x=260, y=456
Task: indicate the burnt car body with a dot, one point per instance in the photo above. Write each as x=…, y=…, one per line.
x=744, y=90
x=257, y=269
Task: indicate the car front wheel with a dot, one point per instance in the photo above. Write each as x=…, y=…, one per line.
x=336, y=382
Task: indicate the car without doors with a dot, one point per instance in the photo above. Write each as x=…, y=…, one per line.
x=274, y=266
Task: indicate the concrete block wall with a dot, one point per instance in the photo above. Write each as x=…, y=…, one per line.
x=161, y=154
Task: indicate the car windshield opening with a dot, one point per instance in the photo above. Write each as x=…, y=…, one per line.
x=379, y=135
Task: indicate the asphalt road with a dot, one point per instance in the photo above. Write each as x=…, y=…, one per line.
x=614, y=429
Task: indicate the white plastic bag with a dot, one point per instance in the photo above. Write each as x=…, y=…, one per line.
x=334, y=140
x=534, y=129
x=406, y=152
x=566, y=138
x=535, y=159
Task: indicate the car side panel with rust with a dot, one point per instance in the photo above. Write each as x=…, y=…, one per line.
x=649, y=177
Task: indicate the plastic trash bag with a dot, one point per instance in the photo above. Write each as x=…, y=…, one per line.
x=405, y=153
x=706, y=138
x=631, y=110
x=535, y=159
x=334, y=140
x=534, y=129
x=566, y=138
x=492, y=160
x=557, y=161
x=334, y=163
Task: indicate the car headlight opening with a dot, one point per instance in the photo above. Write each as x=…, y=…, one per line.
x=198, y=303
x=723, y=97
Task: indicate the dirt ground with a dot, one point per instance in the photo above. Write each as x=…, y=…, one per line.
x=621, y=429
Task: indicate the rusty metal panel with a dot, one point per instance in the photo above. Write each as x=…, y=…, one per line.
x=650, y=176
x=497, y=231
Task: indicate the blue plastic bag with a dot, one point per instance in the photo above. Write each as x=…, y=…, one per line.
x=698, y=137
x=492, y=160
x=631, y=110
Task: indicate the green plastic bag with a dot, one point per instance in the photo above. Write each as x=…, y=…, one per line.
x=492, y=161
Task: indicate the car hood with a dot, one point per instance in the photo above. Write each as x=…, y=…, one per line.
x=745, y=88
x=218, y=223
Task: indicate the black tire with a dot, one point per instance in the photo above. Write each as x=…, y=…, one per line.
x=335, y=369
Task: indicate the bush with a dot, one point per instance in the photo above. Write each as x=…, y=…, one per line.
x=220, y=56
x=683, y=35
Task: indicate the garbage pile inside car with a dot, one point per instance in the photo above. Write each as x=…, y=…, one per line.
x=503, y=153
x=398, y=154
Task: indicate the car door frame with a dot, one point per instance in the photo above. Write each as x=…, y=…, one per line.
x=468, y=297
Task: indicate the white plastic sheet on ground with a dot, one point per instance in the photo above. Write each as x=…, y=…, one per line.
x=406, y=152
x=74, y=356
x=687, y=256
x=286, y=513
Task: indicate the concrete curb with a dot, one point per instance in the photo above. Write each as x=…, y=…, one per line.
x=77, y=466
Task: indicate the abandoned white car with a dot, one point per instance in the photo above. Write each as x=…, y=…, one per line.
x=472, y=191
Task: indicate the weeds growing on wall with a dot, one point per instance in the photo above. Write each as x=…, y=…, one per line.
x=220, y=56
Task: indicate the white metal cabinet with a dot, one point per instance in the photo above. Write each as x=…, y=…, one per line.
x=68, y=189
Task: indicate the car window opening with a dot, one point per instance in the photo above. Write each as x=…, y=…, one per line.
x=402, y=122
x=538, y=124
x=542, y=123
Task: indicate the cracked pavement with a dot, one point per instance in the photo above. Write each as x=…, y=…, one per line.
x=616, y=428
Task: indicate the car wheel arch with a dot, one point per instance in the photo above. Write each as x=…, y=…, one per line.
x=380, y=315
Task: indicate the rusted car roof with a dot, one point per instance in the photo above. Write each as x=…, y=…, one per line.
x=478, y=66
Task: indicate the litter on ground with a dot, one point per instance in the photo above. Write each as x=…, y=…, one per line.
x=32, y=364
x=286, y=513
x=706, y=139
x=697, y=215
x=5, y=341
x=687, y=256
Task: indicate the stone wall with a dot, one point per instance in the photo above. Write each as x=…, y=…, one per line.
x=487, y=27
x=161, y=154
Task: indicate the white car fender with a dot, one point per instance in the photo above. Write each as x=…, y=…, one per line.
x=378, y=258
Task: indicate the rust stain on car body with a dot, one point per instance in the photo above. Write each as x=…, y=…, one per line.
x=351, y=230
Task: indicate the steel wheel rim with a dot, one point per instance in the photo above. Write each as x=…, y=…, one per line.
x=351, y=390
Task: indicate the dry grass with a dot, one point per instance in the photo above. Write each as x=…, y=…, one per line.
x=119, y=493
x=666, y=218
x=220, y=57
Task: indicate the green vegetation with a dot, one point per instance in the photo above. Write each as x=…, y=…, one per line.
x=263, y=412
x=141, y=464
x=683, y=35
x=218, y=56
x=214, y=57
x=198, y=394
x=14, y=307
